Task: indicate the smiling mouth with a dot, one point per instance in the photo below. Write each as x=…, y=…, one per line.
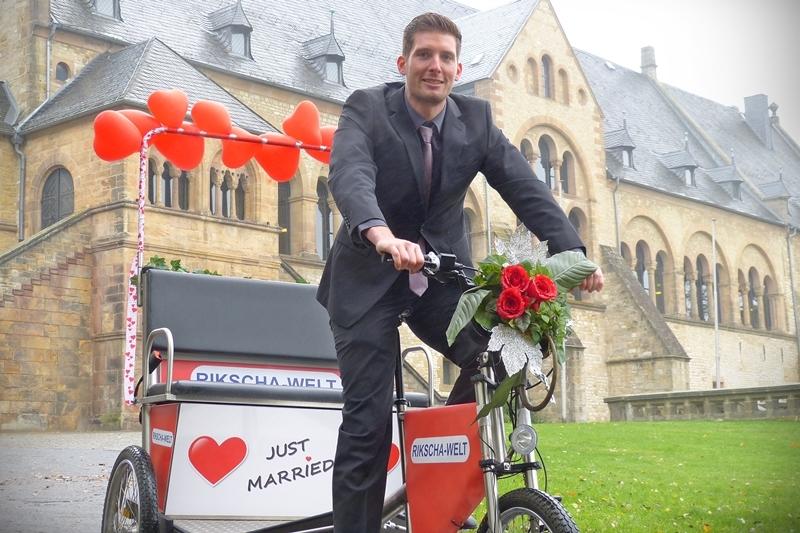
x=433, y=82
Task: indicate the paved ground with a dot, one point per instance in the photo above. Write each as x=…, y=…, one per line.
x=56, y=482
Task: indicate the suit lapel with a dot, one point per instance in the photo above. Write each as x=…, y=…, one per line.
x=402, y=124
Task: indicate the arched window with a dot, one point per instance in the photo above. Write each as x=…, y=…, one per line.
x=721, y=275
x=702, y=288
x=752, y=297
x=183, y=191
x=166, y=187
x=743, y=312
x=62, y=71
x=659, y=283
x=226, y=195
x=324, y=227
x=532, y=77
x=547, y=76
x=769, y=303
x=642, y=262
x=240, y=197
x=57, y=197
x=544, y=166
x=212, y=191
x=526, y=148
x=284, y=193
x=625, y=252
x=152, y=182
x=567, y=172
x=563, y=80
x=687, y=286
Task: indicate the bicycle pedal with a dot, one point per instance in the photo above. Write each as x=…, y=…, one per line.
x=557, y=497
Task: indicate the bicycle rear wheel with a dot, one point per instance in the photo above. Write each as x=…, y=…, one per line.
x=529, y=510
x=130, y=503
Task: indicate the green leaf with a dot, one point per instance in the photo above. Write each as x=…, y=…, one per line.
x=522, y=322
x=465, y=310
x=570, y=268
x=485, y=318
x=502, y=392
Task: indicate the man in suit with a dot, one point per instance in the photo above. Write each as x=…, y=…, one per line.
x=403, y=159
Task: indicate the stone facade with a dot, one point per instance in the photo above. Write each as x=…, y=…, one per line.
x=63, y=289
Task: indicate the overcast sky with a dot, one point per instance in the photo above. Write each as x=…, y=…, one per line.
x=723, y=50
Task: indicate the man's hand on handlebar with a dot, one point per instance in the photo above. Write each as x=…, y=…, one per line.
x=594, y=282
x=406, y=255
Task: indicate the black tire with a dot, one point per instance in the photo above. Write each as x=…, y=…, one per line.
x=131, y=505
x=519, y=506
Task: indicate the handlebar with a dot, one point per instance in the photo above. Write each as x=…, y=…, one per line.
x=438, y=264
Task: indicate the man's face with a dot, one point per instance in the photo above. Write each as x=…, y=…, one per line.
x=430, y=68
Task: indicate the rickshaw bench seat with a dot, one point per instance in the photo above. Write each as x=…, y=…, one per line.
x=222, y=320
x=210, y=392
x=266, y=321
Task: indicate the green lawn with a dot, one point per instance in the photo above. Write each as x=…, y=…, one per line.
x=704, y=476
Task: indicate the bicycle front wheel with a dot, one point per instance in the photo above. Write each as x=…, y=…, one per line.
x=529, y=510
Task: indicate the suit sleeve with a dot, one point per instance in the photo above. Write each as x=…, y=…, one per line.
x=509, y=174
x=353, y=170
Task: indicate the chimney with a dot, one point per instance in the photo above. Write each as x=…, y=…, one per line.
x=649, y=62
x=756, y=114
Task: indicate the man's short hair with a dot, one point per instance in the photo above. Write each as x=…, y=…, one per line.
x=432, y=22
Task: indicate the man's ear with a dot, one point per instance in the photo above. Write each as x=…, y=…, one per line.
x=401, y=65
x=458, y=72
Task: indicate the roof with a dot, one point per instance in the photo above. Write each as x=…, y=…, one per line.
x=659, y=133
x=325, y=45
x=128, y=77
x=618, y=139
x=232, y=15
x=8, y=110
x=678, y=159
x=279, y=31
x=727, y=128
x=775, y=189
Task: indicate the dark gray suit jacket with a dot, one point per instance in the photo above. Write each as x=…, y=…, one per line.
x=376, y=172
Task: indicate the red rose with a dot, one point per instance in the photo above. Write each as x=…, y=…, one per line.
x=515, y=276
x=511, y=303
x=542, y=289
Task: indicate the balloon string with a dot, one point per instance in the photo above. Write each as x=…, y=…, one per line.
x=234, y=137
x=132, y=308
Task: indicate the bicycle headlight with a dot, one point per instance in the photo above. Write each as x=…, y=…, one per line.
x=524, y=439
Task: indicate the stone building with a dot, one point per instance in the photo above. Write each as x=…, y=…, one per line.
x=648, y=173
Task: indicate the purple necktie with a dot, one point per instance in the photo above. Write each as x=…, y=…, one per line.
x=417, y=281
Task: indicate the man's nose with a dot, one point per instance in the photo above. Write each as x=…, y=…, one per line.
x=435, y=64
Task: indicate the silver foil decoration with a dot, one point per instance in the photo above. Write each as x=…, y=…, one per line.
x=516, y=350
x=519, y=247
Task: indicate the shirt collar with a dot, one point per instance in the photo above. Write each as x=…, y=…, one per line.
x=417, y=119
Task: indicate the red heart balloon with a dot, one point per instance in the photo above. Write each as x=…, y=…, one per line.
x=236, y=154
x=185, y=151
x=303, y=123
x=144, y=121
x=211, y=117
x=115, y=136
x=280, y=162
x=326, y=134
x=169, y=107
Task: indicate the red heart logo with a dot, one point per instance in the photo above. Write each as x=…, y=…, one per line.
x=215, y=461
x=394, y=457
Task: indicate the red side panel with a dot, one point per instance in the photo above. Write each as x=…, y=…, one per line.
x=163, y=423
x=444, y=480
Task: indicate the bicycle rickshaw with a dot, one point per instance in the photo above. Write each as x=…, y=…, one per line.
x=240, y=415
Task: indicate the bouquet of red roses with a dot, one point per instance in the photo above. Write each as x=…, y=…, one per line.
x=521, y=298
